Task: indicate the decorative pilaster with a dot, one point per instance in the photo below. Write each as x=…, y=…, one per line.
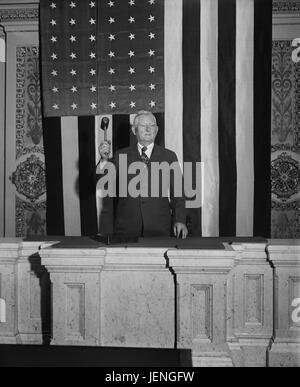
x=76, y=294
x=285, y=257
x=201, y=277
x=250, y=305
x=9, y=252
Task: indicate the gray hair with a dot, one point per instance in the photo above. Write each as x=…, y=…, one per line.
x=143, y=113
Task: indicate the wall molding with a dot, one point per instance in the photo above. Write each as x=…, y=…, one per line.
x=286, y=6
x=21, y=12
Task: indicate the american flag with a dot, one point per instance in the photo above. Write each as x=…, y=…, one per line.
x=202, y=66
x=102, y=57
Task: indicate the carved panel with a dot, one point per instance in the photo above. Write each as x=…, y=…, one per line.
x=19, y=14
x=75, y=321
x=253, y=299
x=294, y=292
x=285, y=142
x=202, y=312
x=283, y=6
x=29, y=177
x=34, y=296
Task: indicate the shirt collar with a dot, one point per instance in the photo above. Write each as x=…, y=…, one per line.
x=149, y=147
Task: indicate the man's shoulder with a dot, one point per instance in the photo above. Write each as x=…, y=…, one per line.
x=166, y=152
x=125, y=150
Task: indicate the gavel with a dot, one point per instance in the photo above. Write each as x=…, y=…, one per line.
x=104, y=126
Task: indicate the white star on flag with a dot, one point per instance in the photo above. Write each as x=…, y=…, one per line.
x=73, y=39
x=111, y=20
x=131, y=19
x=55, y=106
x=151, y=2
x=53, y=39
x=151, y=35
x=151, y=18
x=54, y=73
x=131, y=36
x=74, y=106
x=131, y=3
x=54, y=56
x=73, y=56
x=53, y=22
x=112, y=37
x=111, y=71
x=72, y=22
x=74, y=89
x=93, y=89
x=94, y=106
x=72, y=4
x=112, y=88
x=111, y=3
x=151, y=52
x=131, y=54
x=92, y=55
x=73, y=72
x=152, y=104
x=53, y=5
x=112, y=105
x=132, y=104
x=131, y=70
x=151, y=69
x=55, y=89
x=92, y=38
x=92, y=4
x=111, y=54
x=93, y=72
x=132, y=88
x=152, y=87
x=92, y=21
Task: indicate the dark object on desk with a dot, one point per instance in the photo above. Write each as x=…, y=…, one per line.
x=116, y=239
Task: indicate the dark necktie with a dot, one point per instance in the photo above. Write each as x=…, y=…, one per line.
x=144, y=157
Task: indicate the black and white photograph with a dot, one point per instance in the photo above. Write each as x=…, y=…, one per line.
x=150, y=186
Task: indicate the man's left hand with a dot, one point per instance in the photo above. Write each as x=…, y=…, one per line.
x=180, y=229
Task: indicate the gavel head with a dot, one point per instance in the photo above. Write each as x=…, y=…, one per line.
x=104, y=123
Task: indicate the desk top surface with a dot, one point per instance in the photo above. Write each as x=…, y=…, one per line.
x=189, y=243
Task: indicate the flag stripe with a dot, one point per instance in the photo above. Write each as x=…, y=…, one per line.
x=173, y=77
x=191, y=96
x=262, y=116
x=121, y=131
x=209, y=117
x=160, y=119
x=88, y=211
x=244, y=117
x=227, y=117
x=70, y=175
x=53, y=163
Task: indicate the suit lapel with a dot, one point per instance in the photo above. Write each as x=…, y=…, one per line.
x=155, y=156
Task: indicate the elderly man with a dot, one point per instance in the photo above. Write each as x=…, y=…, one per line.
x=147, y=216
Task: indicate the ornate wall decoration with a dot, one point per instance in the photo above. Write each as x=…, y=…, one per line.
x=283, y=6
x=29, y=177
x=285, y=142
x=19, y=14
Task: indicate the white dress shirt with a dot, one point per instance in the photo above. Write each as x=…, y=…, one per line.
x=148, y=151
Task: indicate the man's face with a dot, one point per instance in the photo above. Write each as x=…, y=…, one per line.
x=146, y=130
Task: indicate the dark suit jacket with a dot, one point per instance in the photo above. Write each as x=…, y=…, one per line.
x=150, y=216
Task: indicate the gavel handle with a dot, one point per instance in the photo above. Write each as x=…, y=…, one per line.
x=105, y=139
